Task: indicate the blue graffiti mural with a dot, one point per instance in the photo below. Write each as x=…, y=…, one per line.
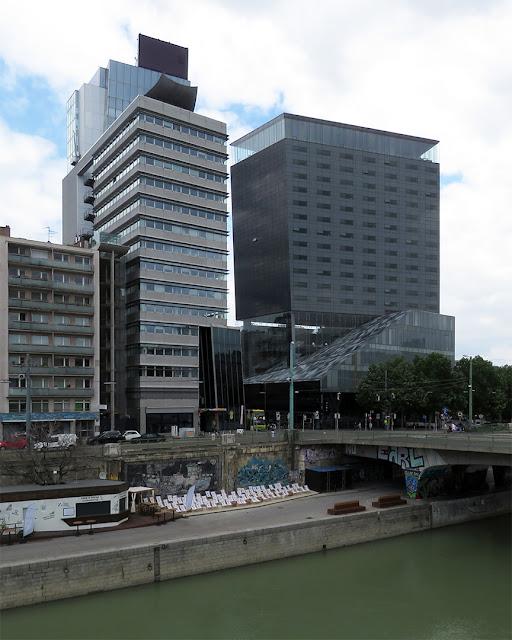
x=411, y=484
x=258, y=471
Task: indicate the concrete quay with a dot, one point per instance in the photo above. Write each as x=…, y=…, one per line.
x=51, y=569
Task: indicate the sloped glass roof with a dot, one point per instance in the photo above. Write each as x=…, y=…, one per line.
x=318, y=365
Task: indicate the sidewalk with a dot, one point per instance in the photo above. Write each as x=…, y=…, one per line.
x=278, y=513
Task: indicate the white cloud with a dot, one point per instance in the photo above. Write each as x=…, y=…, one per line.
x=31, y=174
x=436, y=69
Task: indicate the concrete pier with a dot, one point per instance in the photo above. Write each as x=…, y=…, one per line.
x=44, y=570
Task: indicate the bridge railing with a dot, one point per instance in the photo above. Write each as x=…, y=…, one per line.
x=461, y=441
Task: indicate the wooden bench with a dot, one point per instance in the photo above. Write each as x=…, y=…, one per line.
x=389, y=501
x=340, y=508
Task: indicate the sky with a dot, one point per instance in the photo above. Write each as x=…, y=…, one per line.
x=440, y=69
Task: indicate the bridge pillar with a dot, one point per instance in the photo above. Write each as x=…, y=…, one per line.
x=502, y=476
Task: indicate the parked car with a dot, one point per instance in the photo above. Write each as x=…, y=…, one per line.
x=131, y=435
x=57, y=440
x=14, y=442
x=105, y=437
x=151, y=437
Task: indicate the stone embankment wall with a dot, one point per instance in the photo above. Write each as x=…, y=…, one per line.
x=24, y=583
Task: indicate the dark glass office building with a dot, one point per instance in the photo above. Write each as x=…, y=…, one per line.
x=334, y=226
x=221, y=387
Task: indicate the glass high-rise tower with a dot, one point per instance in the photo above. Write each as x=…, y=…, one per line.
x=334, y=227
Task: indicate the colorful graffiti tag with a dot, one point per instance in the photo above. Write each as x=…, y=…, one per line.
x=258, y=471
x=411, y=483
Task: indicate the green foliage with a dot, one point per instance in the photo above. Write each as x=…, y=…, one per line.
x=427, y=384
x=489, y=386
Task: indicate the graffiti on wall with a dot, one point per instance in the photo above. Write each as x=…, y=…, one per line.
x=175, y=476
x=313, y=456
x=258, y=471
x=404, y=457
x=427, y=483
x=411, y=482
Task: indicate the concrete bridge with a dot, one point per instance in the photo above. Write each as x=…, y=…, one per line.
x=431, y=461
x=495, y=444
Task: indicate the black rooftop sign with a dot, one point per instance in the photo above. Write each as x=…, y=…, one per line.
x=163, y=57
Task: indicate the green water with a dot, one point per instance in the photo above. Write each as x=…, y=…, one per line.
x=448, y=584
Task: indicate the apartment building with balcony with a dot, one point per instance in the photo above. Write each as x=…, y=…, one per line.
x=49, y=340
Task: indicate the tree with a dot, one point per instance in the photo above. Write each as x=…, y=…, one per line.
x=45, y=465
x=488, y=384
x=426, y=385
x=505, y=373
x=387, y=386
x=436, y=385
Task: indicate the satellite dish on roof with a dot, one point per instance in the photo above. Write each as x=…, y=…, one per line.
x=103, y=475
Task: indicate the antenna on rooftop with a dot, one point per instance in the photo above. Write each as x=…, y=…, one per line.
x=51, y=232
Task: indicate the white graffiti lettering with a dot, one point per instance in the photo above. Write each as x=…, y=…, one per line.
x=404, y=457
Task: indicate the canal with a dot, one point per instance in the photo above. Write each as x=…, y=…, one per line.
x=452, y=583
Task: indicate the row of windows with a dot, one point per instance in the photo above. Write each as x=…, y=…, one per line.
x=179, y=208
x=184, y=169
x=164, y=205
x=115, y=179
x=21, y=250
x=158, y=350
x=43, y=406
x=50, y=360
x=326, y=246
x=168, y=372
x=365, y=185
x=45, y=318
x=42, y=296
x=170, y=186
x=57, y=340
x=35, y=274
x=194, y=232
x=177, y=126
x=181, y=249
x=38, y=382
x=387, y=265
x=370, y=225
x=179, y=290
x=133, y=143
x=169, y=329
x=132, y=185
x=171, y=145
x=179, y=187
x=202, y=312
x=300, y=162
x=350, y=301
x=350, y=274
x=155, y=223
x=350, y=156
x=350, y=196
x=116, y=139
x=166, y=267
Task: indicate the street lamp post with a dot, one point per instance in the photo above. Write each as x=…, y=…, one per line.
x=290, y=425
x=470, y=390
x=112, y=404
